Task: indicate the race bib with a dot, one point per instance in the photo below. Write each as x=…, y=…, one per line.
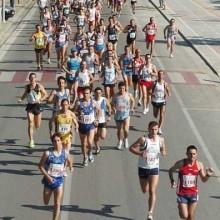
x=64, y=128
x=132, y=35
x=39, y=42
x=112, y=37
x=189, y=181
x=151, y=32
x=56, y=170
x=151, y=158
x=88, y=119
x=62, y=38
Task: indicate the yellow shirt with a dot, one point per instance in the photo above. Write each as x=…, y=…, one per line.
x=64, y=124
x=39, y=40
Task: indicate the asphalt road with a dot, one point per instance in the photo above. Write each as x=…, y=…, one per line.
x=109, y=189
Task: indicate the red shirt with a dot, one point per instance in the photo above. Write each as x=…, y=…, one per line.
x=188, y=176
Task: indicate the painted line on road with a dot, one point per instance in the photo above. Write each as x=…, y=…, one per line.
x=204, y=109
x=7, y=76
x=176, y=77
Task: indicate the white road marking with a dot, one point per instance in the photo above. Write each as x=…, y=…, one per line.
x=176, y=77
x=206, y=79
x=7, y=76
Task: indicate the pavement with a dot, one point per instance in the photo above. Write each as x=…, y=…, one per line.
x=108, y=189
x=9, y=26
x=197, y=20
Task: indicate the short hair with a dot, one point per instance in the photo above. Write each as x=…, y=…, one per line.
x=61, y=78
x=98, y=89
x=120, y=84
x=64, y=100
x=152, y=124
x=56, y=134
x=87, y=88
x=191, y=147
x=37, y=25
x=32, y=74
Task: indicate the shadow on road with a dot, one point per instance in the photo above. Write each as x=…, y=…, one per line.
x=105, y=211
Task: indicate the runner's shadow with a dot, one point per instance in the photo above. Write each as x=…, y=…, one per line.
x=22, y=172
x=7, y=218
x=215, y=197
x=17, y=162
x=105, y=211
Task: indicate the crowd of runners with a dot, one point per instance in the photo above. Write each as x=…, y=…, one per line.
x=97, y=84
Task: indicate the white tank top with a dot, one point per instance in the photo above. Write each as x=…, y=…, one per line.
x=83, y=79
x=153, y=151
x=158, y=92
x=146, y=73
x=102, y=105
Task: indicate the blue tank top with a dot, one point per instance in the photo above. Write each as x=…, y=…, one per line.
x=73, y=63
x=55, y=164
x=122, y=105
x=88, y=113
x=127, y=62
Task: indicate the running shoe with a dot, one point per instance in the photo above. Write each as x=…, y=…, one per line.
x=31, y=144
x=91, y=157
x=97, y=150
x=146, y=110
x=139, y=103
x=171, y=55
x=126, y=143
x=119, y=145
x=85, y=162
x=150, y=216
x=48, y=60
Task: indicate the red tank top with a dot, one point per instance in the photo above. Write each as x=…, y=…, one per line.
x=188, y=176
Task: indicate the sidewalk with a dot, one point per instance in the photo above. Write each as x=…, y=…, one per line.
x=21, y=9
x=198, y=23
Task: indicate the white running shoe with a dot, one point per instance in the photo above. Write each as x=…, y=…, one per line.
x=91, y=157
x=139, y=103
x=150, y=216
x=145, y=111
x=126, y=143
x=48, y=60
x=119, y=144
x=85, y=162
x=31, y=144
x=171, y=55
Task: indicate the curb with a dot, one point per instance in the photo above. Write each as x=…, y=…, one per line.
x=11, y=27
x=188, y=41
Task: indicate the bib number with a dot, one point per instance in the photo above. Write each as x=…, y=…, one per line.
x=189, y=181
x=56, y=170
x=64, y=128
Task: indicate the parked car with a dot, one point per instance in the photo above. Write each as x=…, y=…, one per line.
x=9, y=12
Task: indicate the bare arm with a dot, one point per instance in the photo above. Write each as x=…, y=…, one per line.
x=175, y=167
x=41, y=166
x=205, y=174
x=135, y=147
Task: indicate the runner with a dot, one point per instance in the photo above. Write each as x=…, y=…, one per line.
x=113, y=31
x=148, y=149
x=64, y=120
x=138, y=63
x=110, y=74
x=52, y=167
x=61, y=39
x=126, y=64
x=88, y=114
x=78, y=38
x=150, y=30
x=46, y=16
x=73, y=65
x=80, y=19
x=123, y=106
x=84, y=79
x=40, y=41
x=162, y=4
x=133, y=5
x=160, y=91
x=99, y=42
x=131, y=31
x=49, y=30
x=189, y=169
x=35, y=94
x=170, y=33
x=57, y=95
x=105, y=109
x=148, y=72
